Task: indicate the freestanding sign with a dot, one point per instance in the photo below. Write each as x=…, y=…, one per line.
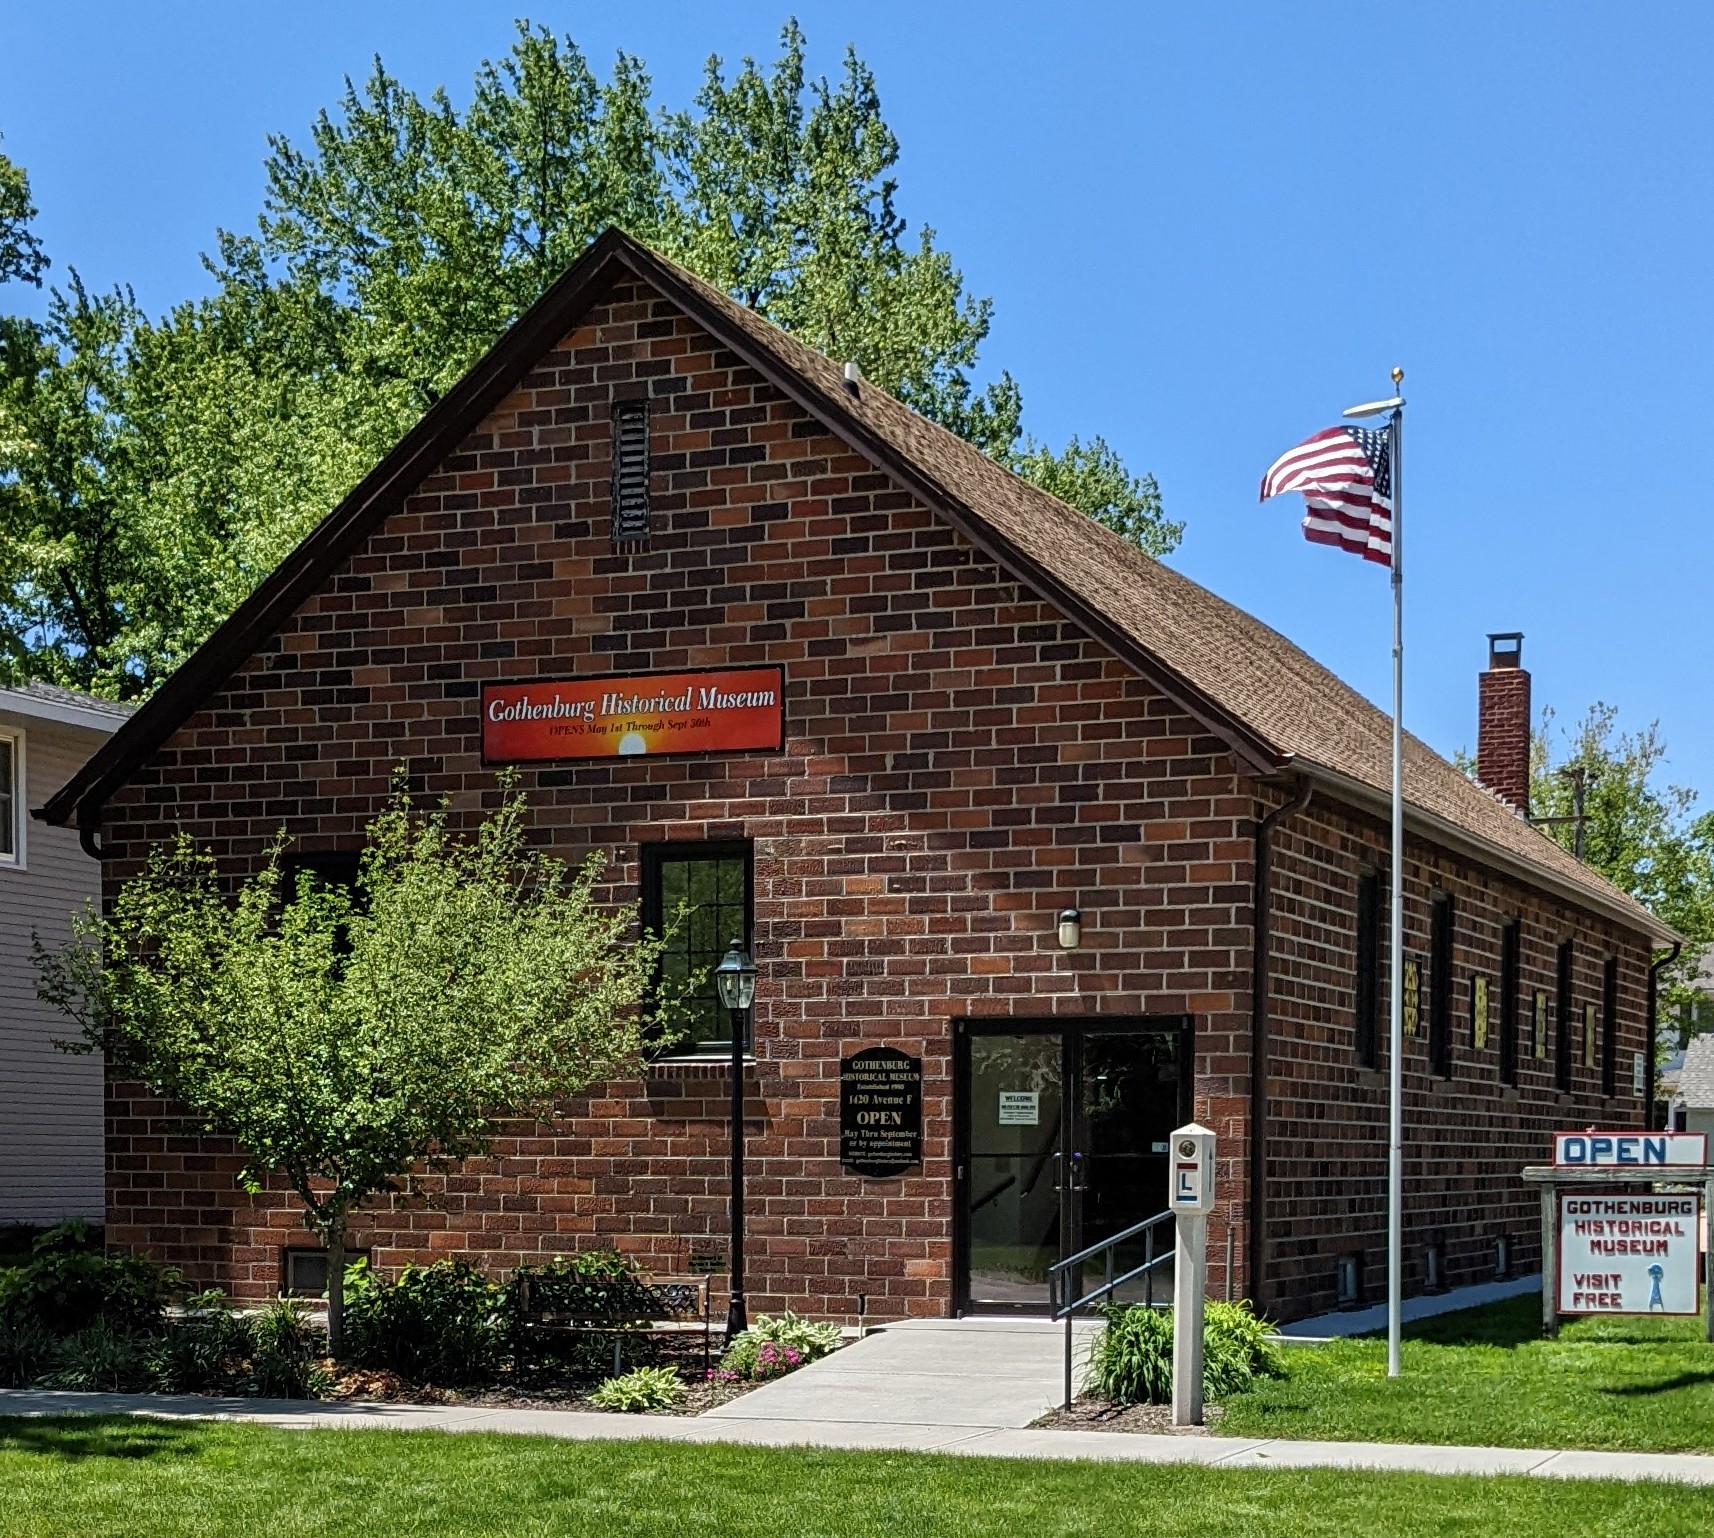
x=880, y=1111
x=1612, y=1245
x=1640, y=1151
x=1627, y=1254
x=1190, y=1197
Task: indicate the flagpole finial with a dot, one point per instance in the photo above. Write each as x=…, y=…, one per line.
x=1398, y=377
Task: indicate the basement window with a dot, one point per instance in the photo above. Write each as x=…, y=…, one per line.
x=630, y=522
x=1348, y=1281
x=303, y=1272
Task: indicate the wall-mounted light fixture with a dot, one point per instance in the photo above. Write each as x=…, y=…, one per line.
x=1070, y=929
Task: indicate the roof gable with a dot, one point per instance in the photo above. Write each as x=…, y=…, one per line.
x=1277, y=708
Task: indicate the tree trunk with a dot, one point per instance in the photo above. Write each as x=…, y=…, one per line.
x=336, y=1287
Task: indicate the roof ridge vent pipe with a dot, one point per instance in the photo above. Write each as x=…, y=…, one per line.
x=852, y=375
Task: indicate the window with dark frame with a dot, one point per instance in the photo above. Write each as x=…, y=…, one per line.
x=1562, y=1020
x=329, y=868
x=1510, y=945
x=1610, y=1027
x=698, y=896
x=1368, y=979
x=1440, y=987
x=630, y=514
x=10, y=798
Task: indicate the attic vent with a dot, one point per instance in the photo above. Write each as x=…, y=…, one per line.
x=630, y=471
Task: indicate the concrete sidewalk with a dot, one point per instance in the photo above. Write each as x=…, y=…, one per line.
x=969, y=1386
x=971, y=1440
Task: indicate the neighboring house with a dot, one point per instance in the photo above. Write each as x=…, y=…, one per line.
x=50, y=1101
x=1693, y=1104
x=976, y=781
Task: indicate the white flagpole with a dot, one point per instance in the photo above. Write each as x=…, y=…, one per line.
x=1395, y=928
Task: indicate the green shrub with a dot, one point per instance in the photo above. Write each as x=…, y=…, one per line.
x=444, y=1323
x=646, y=1388
x=284, y=1347
x=1130, y=1359
x=26, y=1352
x=100, y=1358
x=1235, y=1350
x=68, y=1286
x=205, y=1350
x=775, y=1345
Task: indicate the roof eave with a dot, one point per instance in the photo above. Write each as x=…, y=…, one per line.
x=1631, y=916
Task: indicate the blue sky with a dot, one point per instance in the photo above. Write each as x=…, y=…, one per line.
x=1205, y=229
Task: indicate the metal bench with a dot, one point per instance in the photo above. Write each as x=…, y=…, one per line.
x=551, y=1305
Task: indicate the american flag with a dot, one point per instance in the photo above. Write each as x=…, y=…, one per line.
x=1346, y=477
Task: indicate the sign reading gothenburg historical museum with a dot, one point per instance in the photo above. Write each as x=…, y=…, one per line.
x=880, y=1111
x=734, y=711
x=1628, y=1254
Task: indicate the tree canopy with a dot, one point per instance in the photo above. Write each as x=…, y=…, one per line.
x=343, y=1037
x=1645, y=836
x=153, y=470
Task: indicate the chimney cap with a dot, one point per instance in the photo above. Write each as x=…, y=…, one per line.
x=1505, y=648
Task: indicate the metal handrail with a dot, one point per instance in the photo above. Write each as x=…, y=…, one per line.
x=1061, y=1272
x=1121, y=1237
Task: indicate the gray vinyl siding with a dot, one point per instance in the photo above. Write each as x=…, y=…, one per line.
x=51, y=1158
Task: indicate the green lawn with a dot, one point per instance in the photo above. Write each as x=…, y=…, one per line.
x=1486, y=1376
x=147, y=1479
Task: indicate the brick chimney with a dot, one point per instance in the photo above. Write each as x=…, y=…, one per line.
x=1503, y=722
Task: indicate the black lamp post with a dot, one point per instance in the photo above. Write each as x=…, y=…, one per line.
x=735, y=978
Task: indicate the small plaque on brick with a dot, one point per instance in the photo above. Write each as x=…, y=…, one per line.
x=880, y=1112
x=705, y=1262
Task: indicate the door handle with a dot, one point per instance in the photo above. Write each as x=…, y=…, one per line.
x=1079, y=1180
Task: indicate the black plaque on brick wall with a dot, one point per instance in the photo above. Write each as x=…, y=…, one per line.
x=880, y=1111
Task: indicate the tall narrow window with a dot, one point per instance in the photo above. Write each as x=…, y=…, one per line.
x=698, y=897
x=630, y=471
x=1610, y=1027
x=1562, y=1021
x=11, y=798
x=1440, y=987
x=1368, y=979
x=1509, y=1024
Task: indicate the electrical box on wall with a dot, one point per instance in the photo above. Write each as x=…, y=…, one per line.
x=1190, y=1186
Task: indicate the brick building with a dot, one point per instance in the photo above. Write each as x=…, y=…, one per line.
x=996, y=715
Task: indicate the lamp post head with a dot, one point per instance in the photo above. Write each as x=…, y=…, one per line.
x=735, y=977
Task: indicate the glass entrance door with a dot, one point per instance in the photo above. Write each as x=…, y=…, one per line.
x=1062, y=1142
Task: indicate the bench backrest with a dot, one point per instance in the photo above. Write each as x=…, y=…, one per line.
x=622, y=1300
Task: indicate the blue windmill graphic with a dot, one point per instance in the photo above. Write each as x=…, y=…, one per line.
x=1656, y=1272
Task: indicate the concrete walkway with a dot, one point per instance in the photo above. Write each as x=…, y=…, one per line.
x=966, y=1386
x=1367, y=1321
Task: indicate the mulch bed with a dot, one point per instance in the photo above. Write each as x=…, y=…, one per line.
x=367, y=1386
x=1089, y=1412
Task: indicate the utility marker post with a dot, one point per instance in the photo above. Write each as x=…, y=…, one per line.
x=1190, y=1195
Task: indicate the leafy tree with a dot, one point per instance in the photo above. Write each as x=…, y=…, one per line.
x=1645, y=837
x=1090, y=476
x=21, y=256
x=344, y=1037
x=152, y=472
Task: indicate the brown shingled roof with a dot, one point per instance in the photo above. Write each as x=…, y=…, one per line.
x=1278, y=708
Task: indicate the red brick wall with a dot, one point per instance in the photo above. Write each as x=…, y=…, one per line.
x=960, y=764
x=1467, y=1137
